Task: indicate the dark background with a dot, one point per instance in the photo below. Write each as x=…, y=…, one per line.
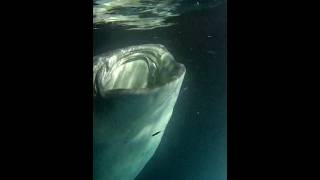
x=194, y=146
x=272, y=94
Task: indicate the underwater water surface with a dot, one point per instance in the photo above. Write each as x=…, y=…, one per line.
x=194, y=145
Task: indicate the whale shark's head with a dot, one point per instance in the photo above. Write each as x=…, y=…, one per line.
x=135, y=69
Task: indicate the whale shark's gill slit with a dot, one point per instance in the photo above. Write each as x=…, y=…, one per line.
x=154, y=134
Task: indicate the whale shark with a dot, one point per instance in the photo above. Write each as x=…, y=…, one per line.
x=134, y=93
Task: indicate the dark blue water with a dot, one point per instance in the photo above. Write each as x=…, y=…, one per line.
x=194, y=145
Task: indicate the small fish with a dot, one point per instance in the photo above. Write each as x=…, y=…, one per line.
x=156, y=133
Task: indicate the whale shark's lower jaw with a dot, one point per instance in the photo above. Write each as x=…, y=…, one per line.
x=135, y=91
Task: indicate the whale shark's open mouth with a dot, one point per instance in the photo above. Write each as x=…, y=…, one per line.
x=135, y=68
